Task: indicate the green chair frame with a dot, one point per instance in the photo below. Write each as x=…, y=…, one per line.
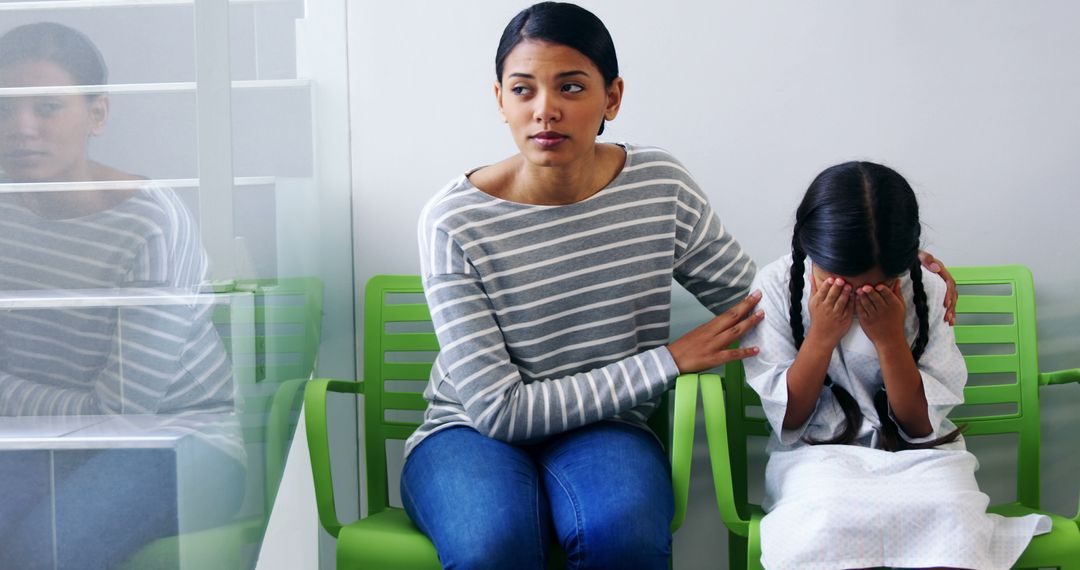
x=397, y=363
x=731, y=417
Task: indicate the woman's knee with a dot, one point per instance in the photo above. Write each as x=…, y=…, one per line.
x=478, y=500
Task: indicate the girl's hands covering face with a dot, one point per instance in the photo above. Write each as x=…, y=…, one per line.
x=831, y=309
x=881, y=311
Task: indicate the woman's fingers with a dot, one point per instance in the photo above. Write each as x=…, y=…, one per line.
x=725, y=356
x=935, y=265
x=737, y=313
x=737, y=330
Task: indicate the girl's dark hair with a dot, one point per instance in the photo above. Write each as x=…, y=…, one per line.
x=64, y=46
x=564, y=24
x=855, y=217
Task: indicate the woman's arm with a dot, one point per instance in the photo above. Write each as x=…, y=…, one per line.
x=477, y=371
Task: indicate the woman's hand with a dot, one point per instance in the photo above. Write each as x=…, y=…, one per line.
x=881, y=313
x=707, y=346
x=831, y=308
x=935, y=265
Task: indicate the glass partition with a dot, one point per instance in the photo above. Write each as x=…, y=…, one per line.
x=175, y=264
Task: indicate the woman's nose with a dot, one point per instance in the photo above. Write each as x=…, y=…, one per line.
x=546, y=110
x=16, y=119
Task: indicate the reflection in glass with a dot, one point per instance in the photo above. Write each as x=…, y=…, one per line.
x=101, y=317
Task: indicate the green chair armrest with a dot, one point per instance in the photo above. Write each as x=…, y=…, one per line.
x=1062, y=377
x=279, y=434
x=682, y=443
x=712, y=399
x=319, y=444
x=1059, y=377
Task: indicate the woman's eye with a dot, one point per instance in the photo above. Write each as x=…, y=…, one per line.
x=519, y=90
x=572, y=88
x=47, y=108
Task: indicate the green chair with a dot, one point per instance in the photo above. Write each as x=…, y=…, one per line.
x=273, y=344
x=399, y=348
x=999, y=302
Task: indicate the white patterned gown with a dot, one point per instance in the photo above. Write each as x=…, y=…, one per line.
x=858, y=506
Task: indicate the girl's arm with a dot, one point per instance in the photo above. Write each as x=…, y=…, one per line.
x=881, y=313
x=831, y=308
x=768, y=372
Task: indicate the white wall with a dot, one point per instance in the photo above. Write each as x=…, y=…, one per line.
x=975, y=102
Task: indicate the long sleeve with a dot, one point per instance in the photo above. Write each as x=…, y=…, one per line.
x=942, y=367
x=766, y=373
x=709, y=262
x=501, y=399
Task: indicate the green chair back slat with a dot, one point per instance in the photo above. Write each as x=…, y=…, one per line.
x=982, y=395
x=411, y=342
x=985, y=334
x=979, y=304
x=403, y=370
x=991, y=363
x=406, y=313
x=403, y=401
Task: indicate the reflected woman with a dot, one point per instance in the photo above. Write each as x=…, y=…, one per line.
x=164, y=358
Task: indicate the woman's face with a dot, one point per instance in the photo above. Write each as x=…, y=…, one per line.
x=43, y=138
x=554, y=99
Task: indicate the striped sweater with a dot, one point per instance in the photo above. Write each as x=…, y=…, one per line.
x=553, y=317
x=108, y=360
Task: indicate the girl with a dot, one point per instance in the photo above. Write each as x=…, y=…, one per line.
x=856, y=374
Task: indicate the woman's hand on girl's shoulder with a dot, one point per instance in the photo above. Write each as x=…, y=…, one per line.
x=934, y=265
x=707, y=346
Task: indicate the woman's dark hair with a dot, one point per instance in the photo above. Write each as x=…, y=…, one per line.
x=64, y=46
x=855, y=217
x=564, y=24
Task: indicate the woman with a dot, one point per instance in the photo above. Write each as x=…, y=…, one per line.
x=549, y=280
x=164, y=358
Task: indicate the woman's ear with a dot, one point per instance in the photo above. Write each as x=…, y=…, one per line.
x=498, y=100
x=614, y=99
x=99, y=114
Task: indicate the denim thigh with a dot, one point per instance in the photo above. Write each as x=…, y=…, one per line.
x=478, y=499
x=609, y=488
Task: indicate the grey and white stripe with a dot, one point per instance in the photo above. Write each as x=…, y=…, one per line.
x=124, y=360
x=553, y=317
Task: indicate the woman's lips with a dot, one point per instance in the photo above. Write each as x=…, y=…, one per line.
x=23, y=154
x=548, y=139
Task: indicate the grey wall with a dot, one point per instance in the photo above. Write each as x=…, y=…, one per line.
x=975, y=102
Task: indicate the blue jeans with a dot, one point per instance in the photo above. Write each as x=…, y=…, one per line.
x=604, y=490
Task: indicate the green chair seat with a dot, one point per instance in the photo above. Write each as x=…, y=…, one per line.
x=1059, y=547
x=385, y=540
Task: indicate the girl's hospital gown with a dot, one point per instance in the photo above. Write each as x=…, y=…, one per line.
x=857, y=506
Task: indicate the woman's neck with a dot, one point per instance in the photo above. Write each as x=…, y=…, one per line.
x=528, y=183
x=78, y=203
